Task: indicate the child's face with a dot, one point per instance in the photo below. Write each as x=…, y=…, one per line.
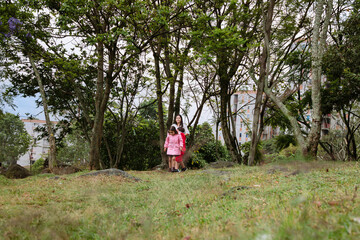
x=172, y=133
x=178, y=119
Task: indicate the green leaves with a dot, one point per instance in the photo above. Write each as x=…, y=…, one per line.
x=14, y=140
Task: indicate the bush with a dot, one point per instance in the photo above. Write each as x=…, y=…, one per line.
x=269, y=146
x=289, y=151
x=141, y=148
x=74, y=151
x=284, y=141
x=209, y=153
x=38, y=166
x=208, y=149
x=278, y=143
x=196, y=160
x=245, y=148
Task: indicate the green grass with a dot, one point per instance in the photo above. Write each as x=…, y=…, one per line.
x=320, y=202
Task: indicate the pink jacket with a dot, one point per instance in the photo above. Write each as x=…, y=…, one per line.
x=173, y=144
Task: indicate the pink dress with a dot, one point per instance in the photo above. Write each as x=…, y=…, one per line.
x=173, y=144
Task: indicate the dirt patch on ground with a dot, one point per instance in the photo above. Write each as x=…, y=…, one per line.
x=16, y=171
x=62, y=170
x=111, y=172
x=221, y=164
x=297, y=167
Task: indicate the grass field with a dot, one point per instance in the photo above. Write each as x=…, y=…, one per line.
x=298, y=200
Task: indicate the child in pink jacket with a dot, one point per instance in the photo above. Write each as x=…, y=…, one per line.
x=173, y=145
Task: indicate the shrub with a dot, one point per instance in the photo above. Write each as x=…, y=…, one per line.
x=208, y=149
x=289, y=151
x=284, y=141
x=269, y=146
x=278, y=143
x=245, y=148
x=38, y=166
x=196, y=160
x=214, y=151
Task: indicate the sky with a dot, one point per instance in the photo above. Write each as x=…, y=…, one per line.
x=24, y=106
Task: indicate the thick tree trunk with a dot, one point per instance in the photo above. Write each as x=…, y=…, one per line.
x=52, y=154
x=256, y=130
x=317, y=48
x=228, y=138
x=101, y=99
x=314, y=135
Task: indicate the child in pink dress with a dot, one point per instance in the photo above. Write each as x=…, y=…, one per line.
x=173, y=145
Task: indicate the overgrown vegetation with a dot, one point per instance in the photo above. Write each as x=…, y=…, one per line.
x=206, y=149
x=313, y=200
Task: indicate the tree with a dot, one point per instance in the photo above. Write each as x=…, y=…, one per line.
x=170, y=47
x=341, y=67
x=20, y=39
x=256, y=129
x=110, y=36
x=269, y=67
x=224, y=32
x=319, y=35
x=14, y=140
x=74, y=149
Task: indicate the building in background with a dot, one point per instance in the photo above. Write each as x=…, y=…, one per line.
x=38, y=148
x=243, y=103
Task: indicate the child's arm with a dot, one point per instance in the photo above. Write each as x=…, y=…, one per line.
x=166, y=142
x=180, y=142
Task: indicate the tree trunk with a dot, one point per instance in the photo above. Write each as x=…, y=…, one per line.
x=171, y=80
x=294, y=123
x=178, y=93
x=52, y=154
x=100, y=98
x=256, y=131
x=317, y=48
x=228, y=138
x=120, y=146
x=156, y=54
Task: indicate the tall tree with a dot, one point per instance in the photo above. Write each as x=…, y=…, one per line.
x=110, y=31
x=264, y=58
x=342, y=85
x=19, y=38
x=319, y=34
x=224, y=31
x=170, y=47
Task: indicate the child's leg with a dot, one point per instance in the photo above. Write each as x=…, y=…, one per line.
x=182, y=164
x=170, y=163
x=173, y=162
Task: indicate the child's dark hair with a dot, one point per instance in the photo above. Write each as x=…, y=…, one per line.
x=172, y=128
x=181, y=129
